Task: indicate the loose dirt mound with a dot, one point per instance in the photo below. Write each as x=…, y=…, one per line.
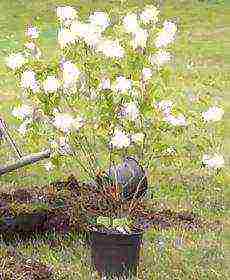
x=17, y=266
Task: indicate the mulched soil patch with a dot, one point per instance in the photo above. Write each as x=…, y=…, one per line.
x=62, y=212
x=16, y=266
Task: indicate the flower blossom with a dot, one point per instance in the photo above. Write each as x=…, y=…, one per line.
x=23, y=128
x=70, y=73
x=87, y=32
x=160, y=58
x=170, y=27
x=140, y=37
x=65, y=122
x=22, y=111
x=216, y=161
x=138, y=138
x=165, y=106
x=28, y=81
x=110, y=48
x=99, y=19
x=130, y=23
x=213, y=114
x=146, y=74
x=163, y=39
x=180, y=120
x=167, y=35
x=32, y=32
x=66, y=13
x=78, y=122
x=65, y=37
x=120, y=139
x=51, y=84
x=105, y=83
x=15, y=61
x=150, y=14
x=122, y=84
x=131, y=111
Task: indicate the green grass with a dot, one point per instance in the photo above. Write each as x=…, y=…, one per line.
x=203, y=40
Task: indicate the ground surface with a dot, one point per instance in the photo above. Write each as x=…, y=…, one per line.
x=202, y=49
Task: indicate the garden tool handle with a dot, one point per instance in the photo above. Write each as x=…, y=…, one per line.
x=25, y=161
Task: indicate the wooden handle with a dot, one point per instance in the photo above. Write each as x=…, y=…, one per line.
x=25, y=161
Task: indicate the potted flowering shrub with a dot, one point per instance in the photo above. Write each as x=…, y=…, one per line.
x=105, y=101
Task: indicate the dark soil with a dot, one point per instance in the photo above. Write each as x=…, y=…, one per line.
x=168, y=219
x=17, y=266
x=64, y=202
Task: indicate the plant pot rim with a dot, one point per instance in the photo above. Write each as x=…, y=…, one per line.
x=108, y=233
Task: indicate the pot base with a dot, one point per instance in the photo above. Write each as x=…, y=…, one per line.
x=115, y=254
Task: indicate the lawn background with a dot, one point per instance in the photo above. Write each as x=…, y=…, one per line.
x=201, y=50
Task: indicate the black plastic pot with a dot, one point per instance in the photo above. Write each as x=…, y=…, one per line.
x=115, y=254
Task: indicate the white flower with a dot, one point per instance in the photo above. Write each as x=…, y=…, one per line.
x=15, y=61
x=138, y=137
x=66, y=13
x=131, y=111
x=78, y=123
x=89, y=33
x=81, y=30
x=120, y=139
x=32, y=32
x=130, y=23
x=170, y=27
x=167, y=35
x=63, y=122
x=160, y=58
x=51, y=84
x=49, y=166
x=65, y=37
x=122, y=84
x=22, y=111
x=24, y=127
x=150, y=14
x=110, y=48
x=99, y=19
x=165, y=106
x=140, y=37
x=105, y=83
x=213, y=114
x=163, y=39
x=215, y=161
x=180, y=120
x=93, y=38
x=28, y=81
x=146, y=74
x=70, y=73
